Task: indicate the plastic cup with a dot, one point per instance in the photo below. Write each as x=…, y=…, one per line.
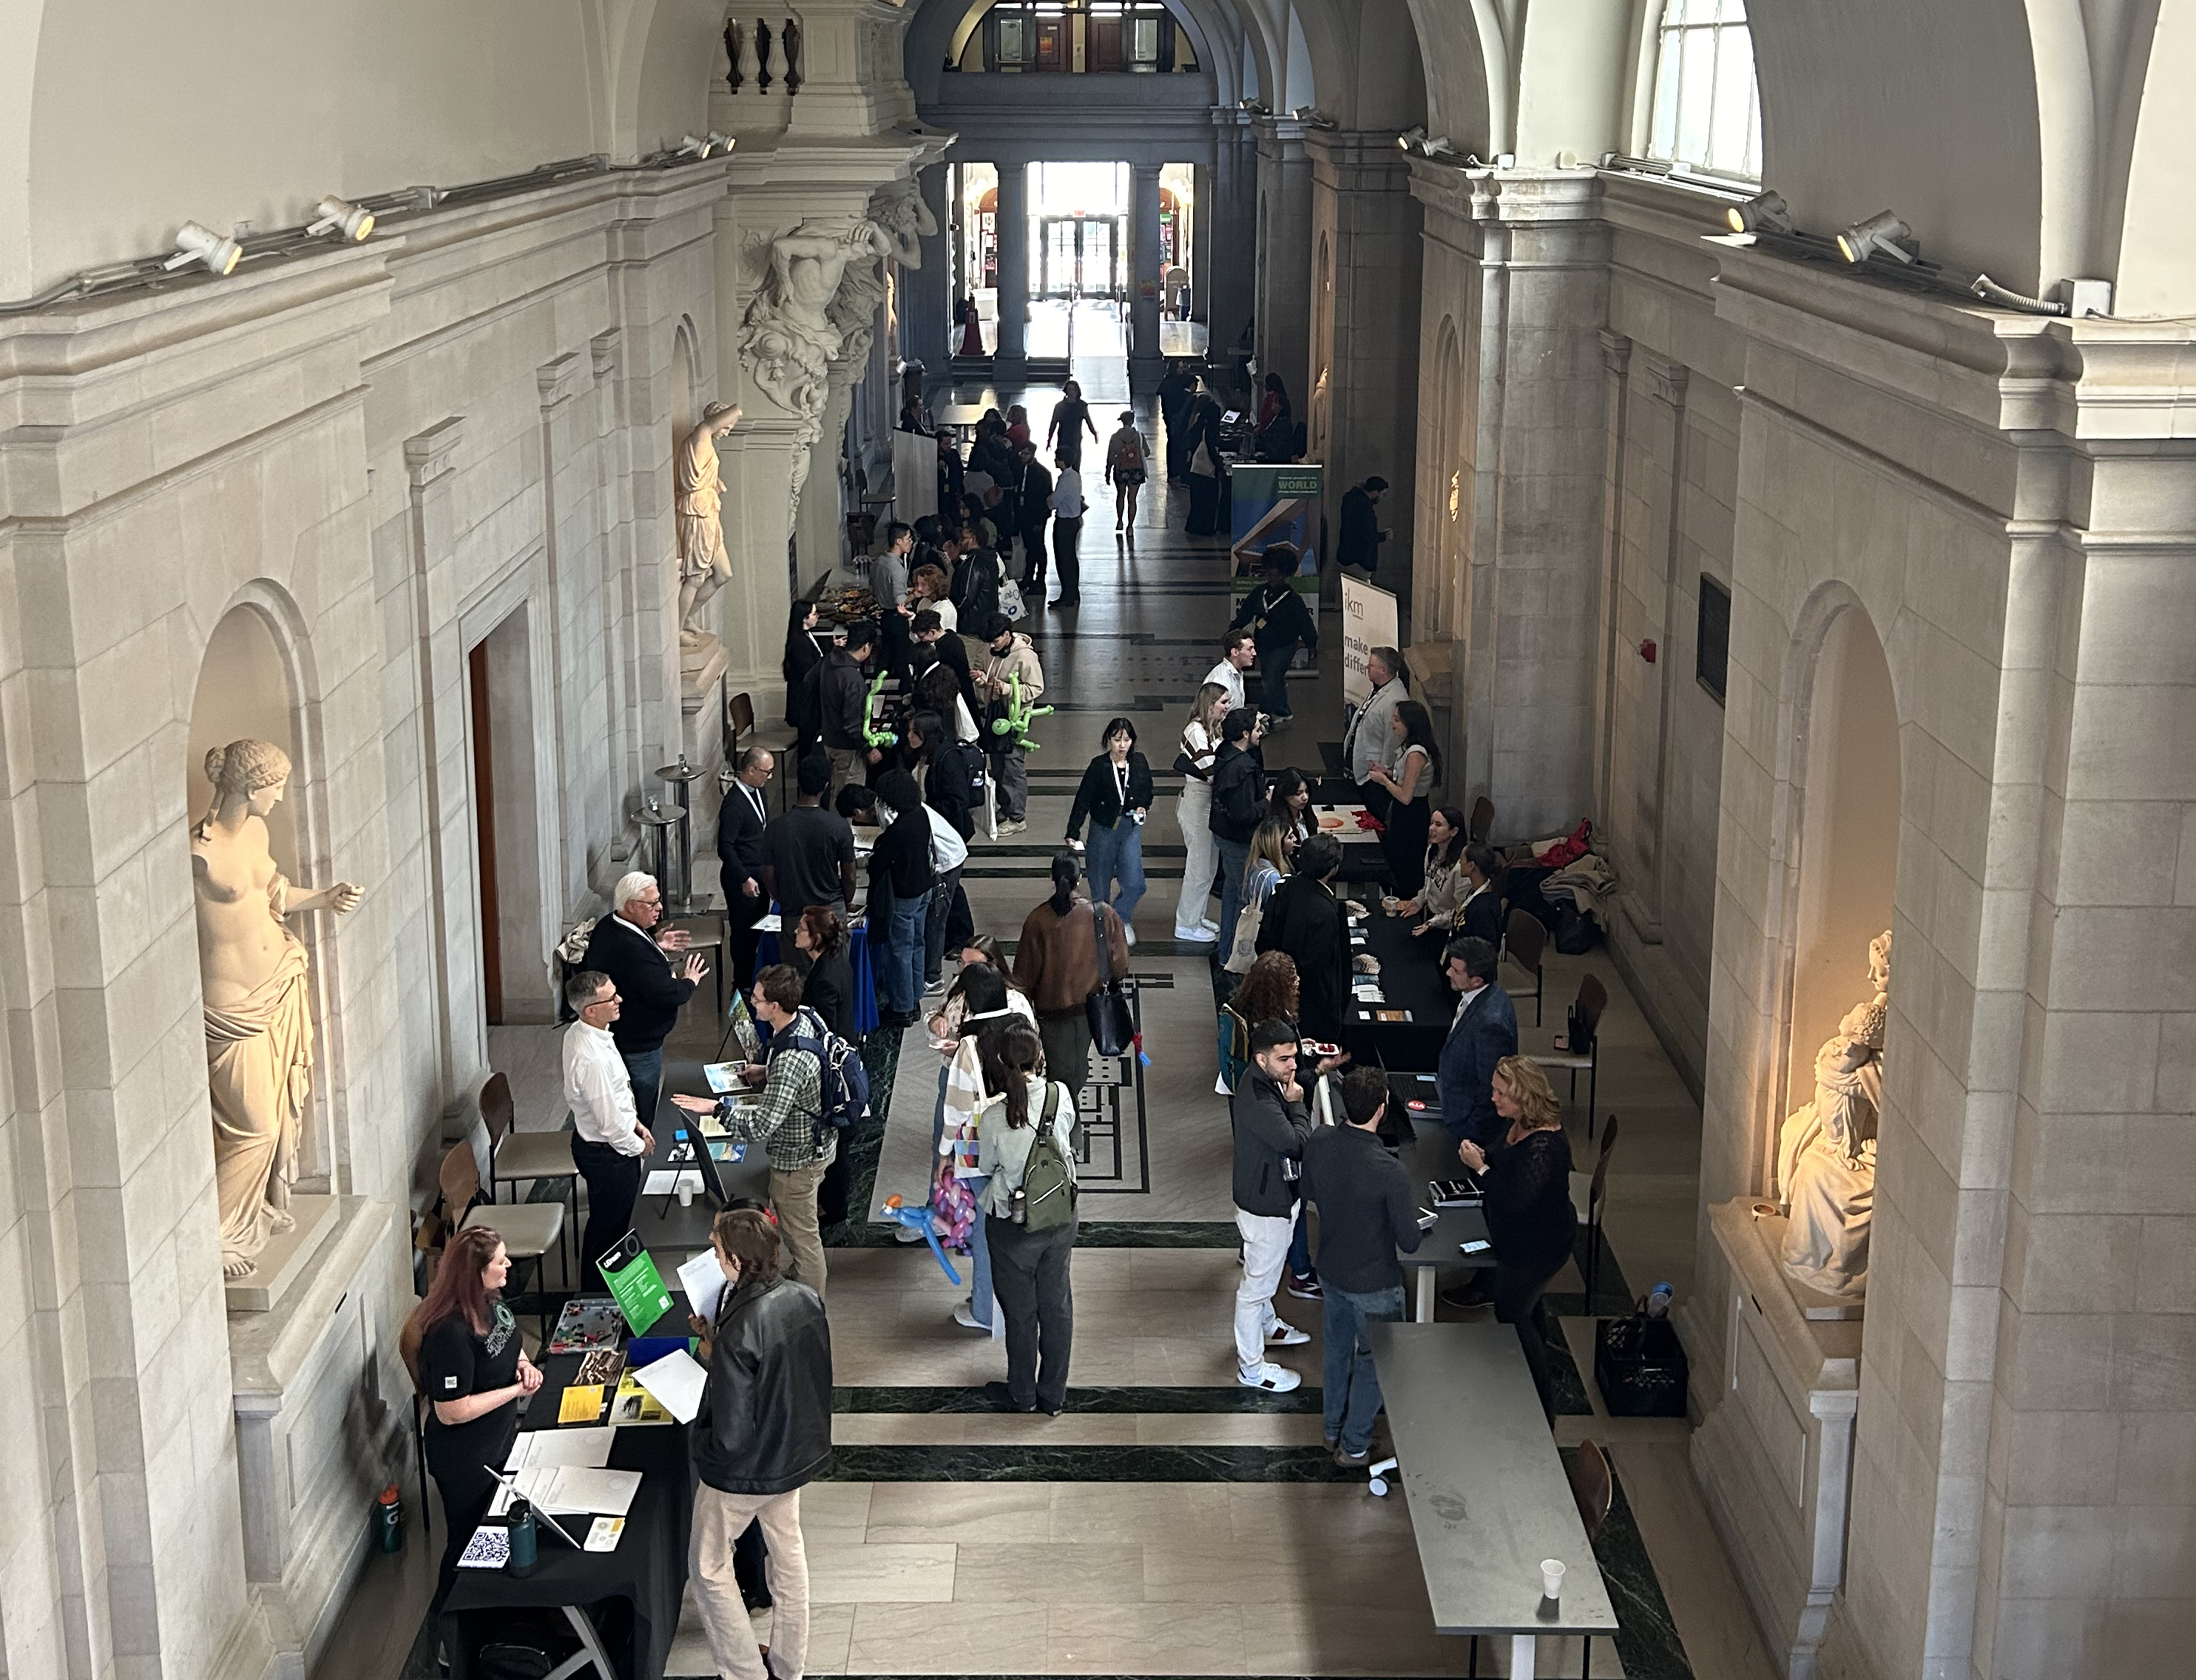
x=1551, y=1577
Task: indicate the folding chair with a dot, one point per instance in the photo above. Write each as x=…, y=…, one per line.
x=529, y=1229
x=1524, y=939
x=1586, y=1015
x=516, y=1158
x=1594, y=1490
x=1588, y=1192
x=1482, y=820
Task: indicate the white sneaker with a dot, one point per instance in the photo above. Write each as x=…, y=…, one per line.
x=1287, y=1335
x=1012, y=826
x=1203, y=934
x=964, y=1314
x=1273, y=1379
x=1129, y=931
x=1211, y=926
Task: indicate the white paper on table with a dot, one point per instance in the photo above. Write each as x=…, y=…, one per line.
x=588, y=1448
x=772, y=923
x=572, y=1490
x=703, y=1280
x=488, y=1548
x=664, y=1181
x=605, y=1534
x=676, y=1380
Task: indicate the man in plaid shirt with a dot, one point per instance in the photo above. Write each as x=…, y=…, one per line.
x=787, y=1121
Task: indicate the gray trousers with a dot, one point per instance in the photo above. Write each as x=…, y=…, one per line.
x=1010, y=774
x=1029, y=1276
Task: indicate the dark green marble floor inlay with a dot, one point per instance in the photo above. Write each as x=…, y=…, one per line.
x=1087, y=1464
x=1647, y=1640
x=1233, y=1399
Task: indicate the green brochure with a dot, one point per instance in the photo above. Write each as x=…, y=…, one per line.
x=636, y=1285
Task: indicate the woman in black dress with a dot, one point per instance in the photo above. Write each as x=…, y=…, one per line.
x=472, y=1373
x=827, y=969
x=801, y=660
x=1530, y=1216
x=1414, y=766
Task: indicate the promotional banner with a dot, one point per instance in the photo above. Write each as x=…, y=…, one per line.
x=1271, y=505
x=1368, y=621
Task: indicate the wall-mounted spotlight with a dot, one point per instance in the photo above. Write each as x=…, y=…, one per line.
x=1763, y=213
x=1882, y=234
x=723, y=142
x=348, y=222
x=689, y=146
x=1411, y=139
x=202, y=245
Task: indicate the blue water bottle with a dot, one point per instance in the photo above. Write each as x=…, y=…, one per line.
x=1658, y=1301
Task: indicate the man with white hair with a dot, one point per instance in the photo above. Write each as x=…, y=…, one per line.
x=652, y=988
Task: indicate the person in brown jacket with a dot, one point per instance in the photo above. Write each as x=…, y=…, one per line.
x=1056, y=963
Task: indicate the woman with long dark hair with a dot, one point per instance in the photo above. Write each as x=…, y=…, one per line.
x=799, y=666
x=1414, y=766
x=1290, y=802
x=1056, y=963
x=1029, y=1268
x=472, y=1372
x=980, y=1005
x=1116, y=795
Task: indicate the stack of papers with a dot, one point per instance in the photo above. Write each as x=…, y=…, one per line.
x=572, y=1490
x=663, y=1181
x=703, y=1280
x=589, y=1449
x=675, y=1381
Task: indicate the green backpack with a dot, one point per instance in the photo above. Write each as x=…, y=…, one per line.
x=1047, y=1188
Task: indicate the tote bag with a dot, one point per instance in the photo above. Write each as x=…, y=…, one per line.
x=1112, y=1027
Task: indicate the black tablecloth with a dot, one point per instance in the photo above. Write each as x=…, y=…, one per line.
x=647, y=1571
x=1411, y=976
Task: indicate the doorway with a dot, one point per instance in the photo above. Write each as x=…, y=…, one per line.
x=506, y=826
x=1080, y=256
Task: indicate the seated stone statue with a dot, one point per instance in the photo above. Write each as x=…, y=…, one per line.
x=1826, y=1153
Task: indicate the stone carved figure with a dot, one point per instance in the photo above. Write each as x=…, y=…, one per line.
x=1826, y=1152
x=251, y=970
x=704, y=568
x=898, y=207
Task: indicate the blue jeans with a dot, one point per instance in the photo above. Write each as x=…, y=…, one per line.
x=1235, y=855
x=979, y=1257
x=1351, y=1390
x=646, y=1072
x=900, y=974
x=1300, y=1250
x=1274, y=680
x=1117, y=854
x=934, y=939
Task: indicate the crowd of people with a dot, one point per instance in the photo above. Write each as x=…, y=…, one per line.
x=1014, y=1038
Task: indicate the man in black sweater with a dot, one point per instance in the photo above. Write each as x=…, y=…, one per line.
x=901, y=878
x=808, y=852
x=1366, y=1214
x=842, y=693
x=1277, y=619
x=1239, y=805
x=1271, y=1125
x=652, y=986
x=934, y=645
x=1306, y=919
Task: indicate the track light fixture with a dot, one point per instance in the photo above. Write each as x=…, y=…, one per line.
x=723, y=142
x=1763, y=213
x=348, y=222
x=202, y=245
x=689, y=146
x=1882, y=234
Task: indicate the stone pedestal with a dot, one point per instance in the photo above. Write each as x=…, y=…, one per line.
x=317, y=1439
x=1774, y=1454
x=287, y=1259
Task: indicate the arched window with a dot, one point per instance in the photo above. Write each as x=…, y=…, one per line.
x=1707, y=109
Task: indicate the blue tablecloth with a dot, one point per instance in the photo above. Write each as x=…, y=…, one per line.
x=858, y=956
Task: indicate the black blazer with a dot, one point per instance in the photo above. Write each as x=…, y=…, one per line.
x=828, y=988
x=739, y=849
x=653, y=996
x=1099, y=798
x=1303, y=918
x=1483, y=918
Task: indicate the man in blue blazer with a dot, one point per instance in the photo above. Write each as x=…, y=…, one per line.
x=1484, y=1031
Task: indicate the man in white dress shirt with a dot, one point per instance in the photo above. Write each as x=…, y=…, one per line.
x=1242, y=653
x=609, y=1142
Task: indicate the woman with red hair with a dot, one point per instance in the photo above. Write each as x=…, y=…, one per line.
x=472, y=1372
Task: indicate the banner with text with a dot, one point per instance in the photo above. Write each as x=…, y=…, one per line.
x=1368, y=621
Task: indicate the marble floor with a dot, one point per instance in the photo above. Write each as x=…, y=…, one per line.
x=1171, y=1522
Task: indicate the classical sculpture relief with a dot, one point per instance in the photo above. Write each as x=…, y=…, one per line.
x=898, y=208
x=1826, y=1152
x=704, y=568
x=252, y=969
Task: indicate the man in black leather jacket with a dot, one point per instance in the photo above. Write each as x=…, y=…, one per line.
x=764, y=1430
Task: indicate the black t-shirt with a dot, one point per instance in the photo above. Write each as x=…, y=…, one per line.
x=454, y=1362
x=804, y=847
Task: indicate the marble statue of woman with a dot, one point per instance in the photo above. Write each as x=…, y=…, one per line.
x=704, y=568
x=1826, y=1153
x=251, y=968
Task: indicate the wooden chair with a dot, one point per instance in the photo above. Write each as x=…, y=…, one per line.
x=529, y=1230
x=1593, y=1489
x=1482, y=820
x=739, y=722
x=1586, y=1012
x=516, y=1158
x=1524, y=939
x=1588, y=1192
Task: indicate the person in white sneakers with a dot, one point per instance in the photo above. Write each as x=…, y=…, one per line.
x=1271, y=1125
x=1241, y=654
x=1200, y=747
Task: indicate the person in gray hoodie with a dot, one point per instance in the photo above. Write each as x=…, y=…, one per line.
x=1271, y=1126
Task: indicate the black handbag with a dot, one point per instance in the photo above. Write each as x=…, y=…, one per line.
x=1112, y=1027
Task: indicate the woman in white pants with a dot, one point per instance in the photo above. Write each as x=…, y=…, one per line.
x=1200, y=745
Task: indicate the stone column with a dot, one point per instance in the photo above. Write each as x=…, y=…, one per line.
x=927, y=294
x=1285, y=257
x=1202, y=251
x=1227, y=287
x=1012, y=223
x=1145, y=366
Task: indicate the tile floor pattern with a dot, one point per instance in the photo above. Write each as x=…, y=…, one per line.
x=953, y=1540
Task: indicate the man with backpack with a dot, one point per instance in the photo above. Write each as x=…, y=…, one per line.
x=814, y=1088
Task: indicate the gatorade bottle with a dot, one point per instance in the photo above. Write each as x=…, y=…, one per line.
x=389, y=1519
